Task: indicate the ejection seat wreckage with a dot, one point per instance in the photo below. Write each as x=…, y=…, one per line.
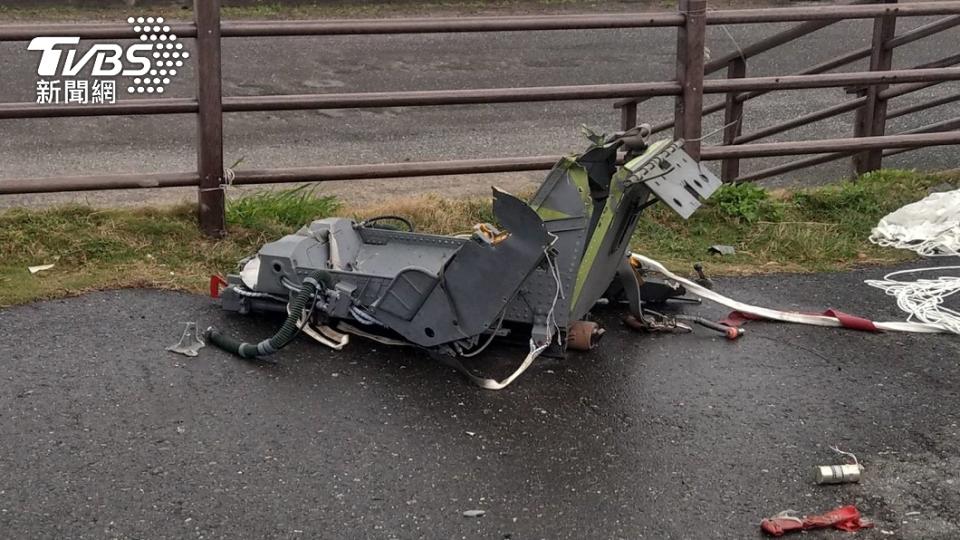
x=536, y=274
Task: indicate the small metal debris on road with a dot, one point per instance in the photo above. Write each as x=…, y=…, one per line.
x=721, y=249
x=190, y=342
x=584, y=335
x=474, y=513
x=844, y=518
x=39, y=268
x=702, y=278
x=839, y=474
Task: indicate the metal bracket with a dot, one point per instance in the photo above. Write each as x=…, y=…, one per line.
x=674, y=177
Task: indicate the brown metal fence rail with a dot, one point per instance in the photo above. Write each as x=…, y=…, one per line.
x=870, y=104
x=873, y=89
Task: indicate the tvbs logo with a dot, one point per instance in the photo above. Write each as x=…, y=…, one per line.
x=107, y=58
x=151, y=64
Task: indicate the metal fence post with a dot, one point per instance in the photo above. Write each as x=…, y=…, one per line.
x=873, y=116
x=733, y=120
x=689, y=104
x=628, y=116
x=212, y=215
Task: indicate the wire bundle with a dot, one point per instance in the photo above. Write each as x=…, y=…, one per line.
x=924, y=299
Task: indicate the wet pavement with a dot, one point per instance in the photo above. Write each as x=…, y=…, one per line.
x=104, y=434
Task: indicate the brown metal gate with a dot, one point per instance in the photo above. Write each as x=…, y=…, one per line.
x=868, y=144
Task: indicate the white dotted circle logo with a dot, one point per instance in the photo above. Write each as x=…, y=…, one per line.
x=167, y=54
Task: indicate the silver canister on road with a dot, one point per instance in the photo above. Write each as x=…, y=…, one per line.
x=837, y=474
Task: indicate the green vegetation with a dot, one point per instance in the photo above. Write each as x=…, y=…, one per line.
x=289, y=208
x=746, y=202
x=816, y=229
x=823, y=228
x=145, y=247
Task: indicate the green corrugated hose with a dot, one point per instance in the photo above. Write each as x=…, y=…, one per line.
x=287, y=332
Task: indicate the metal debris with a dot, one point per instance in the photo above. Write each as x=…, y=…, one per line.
x=839, y=474
x=721, y=249
x=39, y=268
x=190, y=342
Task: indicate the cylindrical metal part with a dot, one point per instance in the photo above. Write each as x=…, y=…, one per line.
x=474, y=96
x=830, y=145
x=825, y=80
x=837, y=474
x=26, y=32
x=448, y=24
x=583, y=335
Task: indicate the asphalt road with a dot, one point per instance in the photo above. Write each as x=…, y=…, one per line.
x=104, y=434
x=30, y=148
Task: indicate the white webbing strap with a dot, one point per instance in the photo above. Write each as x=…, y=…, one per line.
x=492, y=384
x=777, y=315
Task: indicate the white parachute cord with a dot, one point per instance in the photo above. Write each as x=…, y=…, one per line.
x=850, y=455
x=777, y=315
x=492, y=384
x=555, y=272
x=923, y=299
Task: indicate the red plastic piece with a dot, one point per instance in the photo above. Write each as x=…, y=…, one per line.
x=217, y=284
x=845, y=518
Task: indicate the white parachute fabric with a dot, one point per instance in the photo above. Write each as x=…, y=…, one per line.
x=930, y=226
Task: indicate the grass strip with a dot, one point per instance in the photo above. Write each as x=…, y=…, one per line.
x=807, y=230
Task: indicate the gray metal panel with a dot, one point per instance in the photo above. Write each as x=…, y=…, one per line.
x=479, y=280
x=282, y=258
x=558, y=192
x=389, y=259
x=407, y=292
x=676, y=179
x=559, y=195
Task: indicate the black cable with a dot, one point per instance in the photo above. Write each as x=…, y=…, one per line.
x=405, y=221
